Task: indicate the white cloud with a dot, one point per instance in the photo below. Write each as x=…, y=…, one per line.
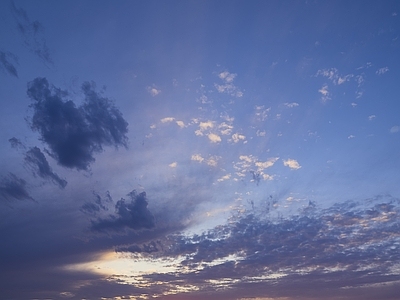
x=268, y=177
x=168, y=119
x=181, y=124
x=262, y=113
x=261, y=133
x=236, y=137
x=173, y=165
x=266, y=164
x=371, y=117
x=291, y=105
x=214, y=138
x=206, y=125
x=197, y=157
x=153, y=90
x=351, y=136
x=225, y=129
x=227, y=77
x=198, y=132
x=395, y=129
x=325, y=93
x=291, y=163
x=246, y=158
x=382, y=71
x=353, y=104
x=223, y=178
x=344, y=79
x=212, y=161
x=153, y=126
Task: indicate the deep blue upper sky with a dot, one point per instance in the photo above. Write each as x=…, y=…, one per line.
x=199, y=149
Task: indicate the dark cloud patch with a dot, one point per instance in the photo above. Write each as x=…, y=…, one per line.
x=36, y=160
x=32, y=33
x=8, y=62
x=13, y=188
x=133, y=214
x=16, y=143
x=74, y=133
x=99, y=204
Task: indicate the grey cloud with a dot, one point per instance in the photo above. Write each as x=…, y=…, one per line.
x=32, y=33
x=73, y=133
x=13, y=187
x=6, y=63
x=134, y=215
x=38, y=163
x=16, y=143
x=99, y=204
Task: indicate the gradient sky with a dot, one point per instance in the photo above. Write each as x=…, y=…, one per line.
x=200, y=150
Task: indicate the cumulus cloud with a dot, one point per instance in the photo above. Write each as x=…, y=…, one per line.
x=167, y=119
x=13, y=187
x=8, y=62
x=32, y=33
x=38, y=163
x=228, y=87
x=291, y=105
x=236, y=137
x=214, y=138
x=291, y=163
x=134, y=215
x=73, y=133
x=173, y=165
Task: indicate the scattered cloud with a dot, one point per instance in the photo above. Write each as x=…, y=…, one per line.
x=73, y=133
x=197, y=157
x=261, y=113
x=173, y=165
x=236, y=137
x=325, y=93
x=32, y=33
x=395, y=129
x=291, y=163
x=382, y=71
x=291, y=105
x=181, y=124
x=36, y=160
x=167, y=119
x=371, y=117
x=225, y=177
x=214, y=138
x=351, y=136
x=8, y=62
x=261, y=133
x=153, y=90
x=228, y=87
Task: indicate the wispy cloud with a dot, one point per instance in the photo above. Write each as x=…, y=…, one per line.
x=325, y=93
x=153, y=90
x=8, y=62
x=382, y=71
x=395, y=129
x=13, y=188
x=228, y=86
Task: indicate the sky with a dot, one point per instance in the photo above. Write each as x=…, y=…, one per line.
x=194, y=150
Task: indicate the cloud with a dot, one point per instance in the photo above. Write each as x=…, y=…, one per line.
x=16, y=143
x=228, y=87
x=13, y=187
x=291, y=163
x=134, y=215
x=167, y=119
x=262, y=113
x=173, y=165
x=32, y=33
x=38, y=163
x=181, y=124
x=214, y=138
x=382, y=71
x=371, y=117
x=325, y=93
x=291, y=105
x=227, y=77
x=197, y=157
x=236, y=137
x=351, y=136
x=153, y=90
x=73, y=133
x=7, y=62
x=395, y=129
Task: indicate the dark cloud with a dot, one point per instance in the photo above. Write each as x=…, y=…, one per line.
x=99, y=204
x=73, y=133
x=13, y=188
x=16, y=143
x=32, y=33
x=38, y=163
x=7, y=62
x=133, y=214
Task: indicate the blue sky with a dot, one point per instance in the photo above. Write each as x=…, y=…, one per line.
x=199, y=150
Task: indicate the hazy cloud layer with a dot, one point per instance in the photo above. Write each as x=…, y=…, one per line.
x=74, y=133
